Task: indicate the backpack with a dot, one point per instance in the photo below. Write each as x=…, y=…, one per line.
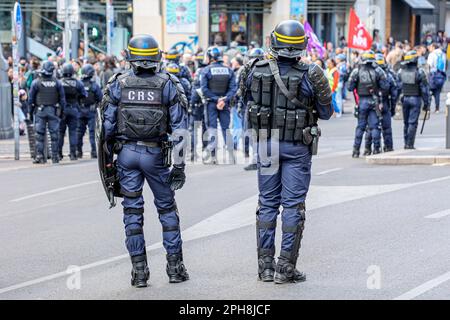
x=440, y=65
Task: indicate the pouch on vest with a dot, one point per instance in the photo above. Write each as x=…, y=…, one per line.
x=266, y=98
x=141, y=123
x=290, y=125
x=256, y=88
x=264, y=117
x=278, y=121
x=253, y=111
x=281, y=98
x=294, y=83
x=300, y=124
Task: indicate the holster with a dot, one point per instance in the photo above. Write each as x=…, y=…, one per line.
x=166, y=149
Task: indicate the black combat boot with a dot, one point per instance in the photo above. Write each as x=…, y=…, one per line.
x=376, y=150
x=175, y=268
x=55, y=158
x=140, y=273
x=39, y=159
x=93, y=154
x=355, y=152
x=388, y=149
x=79, y=154
x=61, y=156
x=266, y=265
x=285, y=272
x=73, y=157
x=367, y=151
x=251, y=167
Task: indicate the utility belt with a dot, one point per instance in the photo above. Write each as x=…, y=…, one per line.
x=166, y=148
x=293, y=125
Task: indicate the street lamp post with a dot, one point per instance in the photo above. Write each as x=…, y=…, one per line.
x=66, y=31
x=109, y=25
x=16, y=36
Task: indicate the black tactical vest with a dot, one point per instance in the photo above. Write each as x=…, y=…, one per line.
x=220, y=76
x=90, y=99
x=367, y=81
x=48, y=94
x=142, y=115
x=271, y=109
x=408, y=79
x=70, y=90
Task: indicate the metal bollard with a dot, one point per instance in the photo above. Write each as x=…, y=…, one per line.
x=447, y=122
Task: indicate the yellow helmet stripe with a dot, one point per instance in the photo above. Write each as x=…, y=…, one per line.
x=151, y=50
x=368, y=56
x=410, y=57
x=171, y=56
x=289, y=37
x=143, y=54
x=173, y=70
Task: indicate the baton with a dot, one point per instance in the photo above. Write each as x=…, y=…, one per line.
x=423, y=123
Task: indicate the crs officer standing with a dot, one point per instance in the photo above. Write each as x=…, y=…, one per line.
x=415, y=89
x=218, y=85
x=370, y=81
x=47, y=101
x=286, y=99
x=143, y=106
x=88, y=109
x=173, y=56
x=74, y=91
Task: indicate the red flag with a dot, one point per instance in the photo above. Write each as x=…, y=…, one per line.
x=358, y=36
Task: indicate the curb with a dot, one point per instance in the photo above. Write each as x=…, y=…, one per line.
x=408, y=160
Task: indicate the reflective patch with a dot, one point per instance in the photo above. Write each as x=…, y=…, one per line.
x=141, y=96
x=48, y=84
x=219, y=71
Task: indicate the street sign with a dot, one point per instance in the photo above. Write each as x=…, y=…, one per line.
x=16, y=35
x=18, y=21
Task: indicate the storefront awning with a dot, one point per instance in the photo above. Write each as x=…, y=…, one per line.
x=420, y=6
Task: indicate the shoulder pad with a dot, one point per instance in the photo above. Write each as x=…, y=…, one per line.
x=262, y=63
x=114, y=77
x=301, y=66
x=320, y=84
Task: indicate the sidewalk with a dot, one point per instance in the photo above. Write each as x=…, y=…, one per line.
x=412, y=157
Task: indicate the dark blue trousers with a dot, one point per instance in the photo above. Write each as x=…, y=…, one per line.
x=135, y=165
x=196, y=116
x=367, y=117
x=411, y=113
x=283, y=180
x=212, y=114
x=387, y=128
x=69, y=121
x=47, y=116
x=87, y=119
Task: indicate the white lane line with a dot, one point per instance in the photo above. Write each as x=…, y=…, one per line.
x=328, y=171
x=242, y=214
x=427, y=286
x=438, y=215
x=55, y=190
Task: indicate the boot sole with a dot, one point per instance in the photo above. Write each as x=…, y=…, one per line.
x=178, y=280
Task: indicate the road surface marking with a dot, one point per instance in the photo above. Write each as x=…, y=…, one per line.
x=427, y=286
x=242, y=214
x=55, y=190
x=328, y=171
x=439, y=214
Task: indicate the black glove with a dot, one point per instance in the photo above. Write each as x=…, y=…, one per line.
x=426, y=107
x=177, y=178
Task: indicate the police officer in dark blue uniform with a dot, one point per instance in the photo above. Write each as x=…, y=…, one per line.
x=218, y=85
x=371, y=82
x=415, y=89
x=144, y=106
x=389, y=99
x=74, y=91
x=47, y=101
x=197, y=104
x=286, y=98
x=88, y=109
x=174, y=56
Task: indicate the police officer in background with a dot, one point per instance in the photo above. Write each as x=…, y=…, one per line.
x=370, y=81
x=173, y=55
x=47, y=101
x=74, y=91
x=389, y=98
x=197, y=104
x=88, y=109
x=415, y=89
x=286, y=98
x=218, y=85
x=253, y=56
x=143, y=106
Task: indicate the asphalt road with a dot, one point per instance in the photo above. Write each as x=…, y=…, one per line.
x=372, y=232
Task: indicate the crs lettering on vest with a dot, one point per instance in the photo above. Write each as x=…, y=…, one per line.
x=141, y=96
x=219, y=71
x=48, y=84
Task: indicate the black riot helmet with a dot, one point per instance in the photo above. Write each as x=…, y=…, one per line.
x=173, y=55
x=200, y=59
x=144, y=53
x=368, y=57
x=410, y=57
x=256, y=53
x=288, y=40
x=87, y=71
x=48, y=68
x=214, y=54
x=173, y=68
x=67, y=70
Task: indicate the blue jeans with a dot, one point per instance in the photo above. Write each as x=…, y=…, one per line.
x=136, y=164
